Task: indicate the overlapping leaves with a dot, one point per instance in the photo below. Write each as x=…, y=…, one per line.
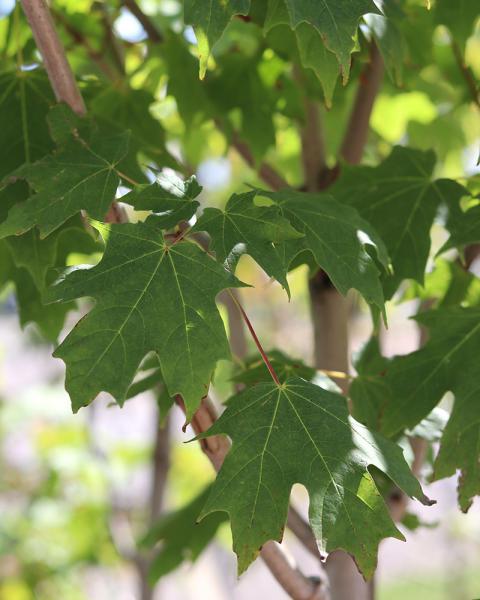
x=412, y=385
x=340, y=241
x=271, y=426
x=400, y=199
x=245, y=228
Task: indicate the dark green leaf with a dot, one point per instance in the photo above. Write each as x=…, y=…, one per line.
x=244, y=228
x=181, y=537
x=150, y=297
x=300, y=433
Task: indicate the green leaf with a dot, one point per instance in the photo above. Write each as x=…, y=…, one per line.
x=78, y=176
x=419, y=380
x=150, y=297
x=460, y=445
x=399, y=198
x=243, y=228
x=459, y=17
x=313, y=52
x=25, y=99
x=368, y=391
x=209, y=19
x=464, y=229
x=182, y=537
x=48, y=319
x=172, y=199
x=325, y=222
x=300, y=433
x=335, y=20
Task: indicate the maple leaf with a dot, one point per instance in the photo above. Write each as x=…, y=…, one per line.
x=209, y=19
x=78, y=176
x=338, y=239
x=464, y=228
x=419, y=380
x=181, y=535
x=300, y=433
x=24, y=103
x=335, y=20
x=150, y=297
x=313, y=52
x=244, y=228
x=172, y=199
x=400, y=199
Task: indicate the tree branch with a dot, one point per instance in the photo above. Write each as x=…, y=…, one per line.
x=369, y=83
x=145, y=21
x=216, y=447
x=53, y=54
x=266, y=172
x=466, y=74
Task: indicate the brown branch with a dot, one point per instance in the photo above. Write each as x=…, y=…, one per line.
x=369, y=83
x=150, y=28
x=216, y=447
x=53, y=54
x=266, y=172
x=313, y=147
x=161, y=465
x=466, y=74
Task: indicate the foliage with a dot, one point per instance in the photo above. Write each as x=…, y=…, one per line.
x=151, y=122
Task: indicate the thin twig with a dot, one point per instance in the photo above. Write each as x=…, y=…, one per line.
x=145, y=21
x=268, y=364
x=466, y=74
x=369, y=83
x=293, y=581
x=265, y=171
x=53, y=54
x=79, y=38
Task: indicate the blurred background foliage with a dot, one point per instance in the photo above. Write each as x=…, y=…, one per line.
x=74, y=490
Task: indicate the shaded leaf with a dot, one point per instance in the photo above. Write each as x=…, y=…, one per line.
x=400, y=199
x=182, y=538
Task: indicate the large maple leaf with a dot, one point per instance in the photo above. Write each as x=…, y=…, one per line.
x=150, y=297
x=298, y=432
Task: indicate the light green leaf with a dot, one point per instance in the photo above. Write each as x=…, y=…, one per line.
x=150, y=297
x=243, y=228
x=400, y=199
x=338, y=239
x=300, y=433
x=459, y=17
x=209, y=19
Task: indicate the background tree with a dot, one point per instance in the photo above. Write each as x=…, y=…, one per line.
x=102, y=139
